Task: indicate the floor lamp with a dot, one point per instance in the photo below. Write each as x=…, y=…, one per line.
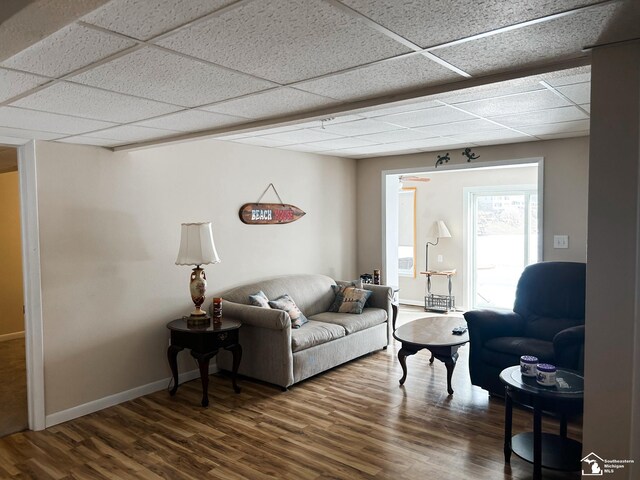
x=441, y=231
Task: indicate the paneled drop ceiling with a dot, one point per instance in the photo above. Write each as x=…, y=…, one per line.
x=353, y=78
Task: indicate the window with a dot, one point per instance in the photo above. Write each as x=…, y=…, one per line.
x=407, y=232
x=503, y=234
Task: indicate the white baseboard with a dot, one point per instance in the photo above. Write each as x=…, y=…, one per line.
x=416, y=303
x=115, y=399
x=11, y=336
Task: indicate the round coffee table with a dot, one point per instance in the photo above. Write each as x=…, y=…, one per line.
x=543, y=449
x=434, y=334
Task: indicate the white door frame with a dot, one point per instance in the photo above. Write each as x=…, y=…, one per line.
x=390, y=187
x=31, y=284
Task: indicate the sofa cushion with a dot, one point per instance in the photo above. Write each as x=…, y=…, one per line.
x=312, y=293
x=349, y=299
x=370, y=317
x=314, y=333
x=286, y=303
x=506, y=351
x=259, y=300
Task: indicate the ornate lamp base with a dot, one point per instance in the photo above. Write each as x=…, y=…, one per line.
x=198, y=288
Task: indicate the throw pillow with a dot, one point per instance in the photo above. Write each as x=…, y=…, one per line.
x=286, y=303
x=349, y=299
x=259, y=300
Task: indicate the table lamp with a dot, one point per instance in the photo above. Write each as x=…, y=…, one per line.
x=197, y=248
x=441, y=231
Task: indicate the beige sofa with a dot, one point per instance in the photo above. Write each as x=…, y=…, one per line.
x=274, y=352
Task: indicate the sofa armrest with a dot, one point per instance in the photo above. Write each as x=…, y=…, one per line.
x=381, y=297
x=568, y=348
x=487, y=324
x=257, y=316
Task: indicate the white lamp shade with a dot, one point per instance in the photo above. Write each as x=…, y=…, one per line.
x=196, y=245
x=441, y=230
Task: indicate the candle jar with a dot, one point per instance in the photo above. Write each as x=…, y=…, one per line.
x=546, y=374
x=376, y=277
x=528, y=365
x=217, y=310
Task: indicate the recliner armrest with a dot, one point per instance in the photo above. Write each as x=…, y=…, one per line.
x=487, y=324
x=568, y=348
x=257, y=316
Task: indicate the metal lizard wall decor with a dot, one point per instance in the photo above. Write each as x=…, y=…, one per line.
x=442, y=159
x=470, y=156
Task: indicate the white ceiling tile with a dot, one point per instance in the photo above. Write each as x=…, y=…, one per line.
x=405, y=73
x=15, y=83
x=271, y=103
x=586, y=106
x=405, y=107
x=492, y=135
x=131, y=133
x=301, y=136
x=577, y=93
x=47, y=122
x=583, y=133
x=402, y=135
x=97, y=142
x=518, y=103
x=143, y=19
x=22, y=133
x=285, y=40
x=556, y=128
x=67, y=50
x=553, y=115
x=485, y=92
x=168, y=77
x=425, y=143
x=338, y=143
x=191, y=120
x=359, y=127
x=541, y=42
x=569, y=77
x=74, y=99
x=455, y=19
x=306, y=147
x=456, y=128
x=504, y=141
x=429, y=116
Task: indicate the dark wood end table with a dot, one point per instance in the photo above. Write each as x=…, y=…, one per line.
x=204, y=341
x=543, y=449
x=434, y=334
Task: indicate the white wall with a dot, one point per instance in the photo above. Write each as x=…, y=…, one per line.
x=109, y=236
x=565, y=193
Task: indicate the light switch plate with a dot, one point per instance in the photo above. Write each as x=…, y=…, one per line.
x=440, y=258
x=561, y=241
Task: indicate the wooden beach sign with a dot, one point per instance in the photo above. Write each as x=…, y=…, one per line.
x=269, y=213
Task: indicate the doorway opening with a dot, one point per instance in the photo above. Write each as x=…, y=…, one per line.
x=467, y=218
x=13, y=388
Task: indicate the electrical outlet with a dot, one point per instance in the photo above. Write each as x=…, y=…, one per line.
x=440, y=259
x=561, y=241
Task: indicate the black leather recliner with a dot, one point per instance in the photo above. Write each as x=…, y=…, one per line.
x=547, y=321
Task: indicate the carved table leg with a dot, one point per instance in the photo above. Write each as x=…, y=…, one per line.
x=203, y=364
x=236, y=350
x=402, y=357
x=172, y=356
x=448, y=356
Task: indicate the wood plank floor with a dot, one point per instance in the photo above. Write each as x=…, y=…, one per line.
x=352, y=422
